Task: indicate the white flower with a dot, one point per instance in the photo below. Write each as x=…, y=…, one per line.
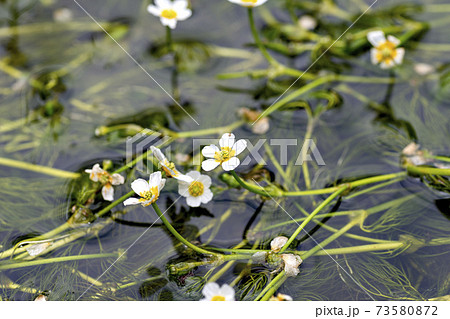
x=170, y=12
x=213, y=292
x=385, y=51
x=97, y=174
x=307, y=22
x=226, y=155
x=169, y=167
x=249, y=3
x=149, y=192
x=41, y=298
x=197, y=191
x=423, y=68
x=291, y=264
x=277, y=243
x=281, y=297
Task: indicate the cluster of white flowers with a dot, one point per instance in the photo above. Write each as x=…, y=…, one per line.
x=194, y=186
x=170, y=12
x=97, y=174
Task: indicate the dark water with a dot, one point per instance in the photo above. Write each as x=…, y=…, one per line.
x=100, y=85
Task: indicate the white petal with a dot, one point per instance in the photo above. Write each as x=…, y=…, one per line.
x=227, y=140
x=180, y=5
x=393, y=40
x=165, y=22
x=183, y=178
x=206, y=180
x=155, y=179
x=209, y=165
x=385, y=65
x=161, y=184
x=206, y=197
x=376, y=37
x=183, y=189
x=117, y=179
x=108, y=192
x=210, y=290
x=158, y=154
x=210, y=151
x=260, y=2
x=131, y=201
x=231, y=164
x=95, y=172
x=239, y=146
x=228, y=292
x=172, y=23
x=139, y=186
x=163, y=4
x=193, y=201
x=184, y=14
x=195, y=175
x=399, y=57
x=154, y=10
x=373, y=56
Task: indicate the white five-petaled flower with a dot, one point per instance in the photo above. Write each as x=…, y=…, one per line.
x=170, y=12
x=169, y=167
x=197, y=191
x=291, y=264
x=97, y=174
x=213, y=292
x=226, y=155
x=249, y=3
x=385, y=51
x=148, y=191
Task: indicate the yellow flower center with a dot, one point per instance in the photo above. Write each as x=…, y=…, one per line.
x=218, y=298
x=147, y=196
x=249, y=1
x=196, y=189
x=386, y=52
x=169, y=169
x=224, y=155
x=169, y=14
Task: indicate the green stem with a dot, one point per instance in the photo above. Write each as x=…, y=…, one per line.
x=257, y=39
x=214, y=130
x=177, y=235
x=361, y=182
x=53, y=260
x=296, y=94
x=252, y=188
x=422, y=170
x=274, y=283
x=114, y=204
x=310, y=217
x=320, y=246
x=38, y=168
